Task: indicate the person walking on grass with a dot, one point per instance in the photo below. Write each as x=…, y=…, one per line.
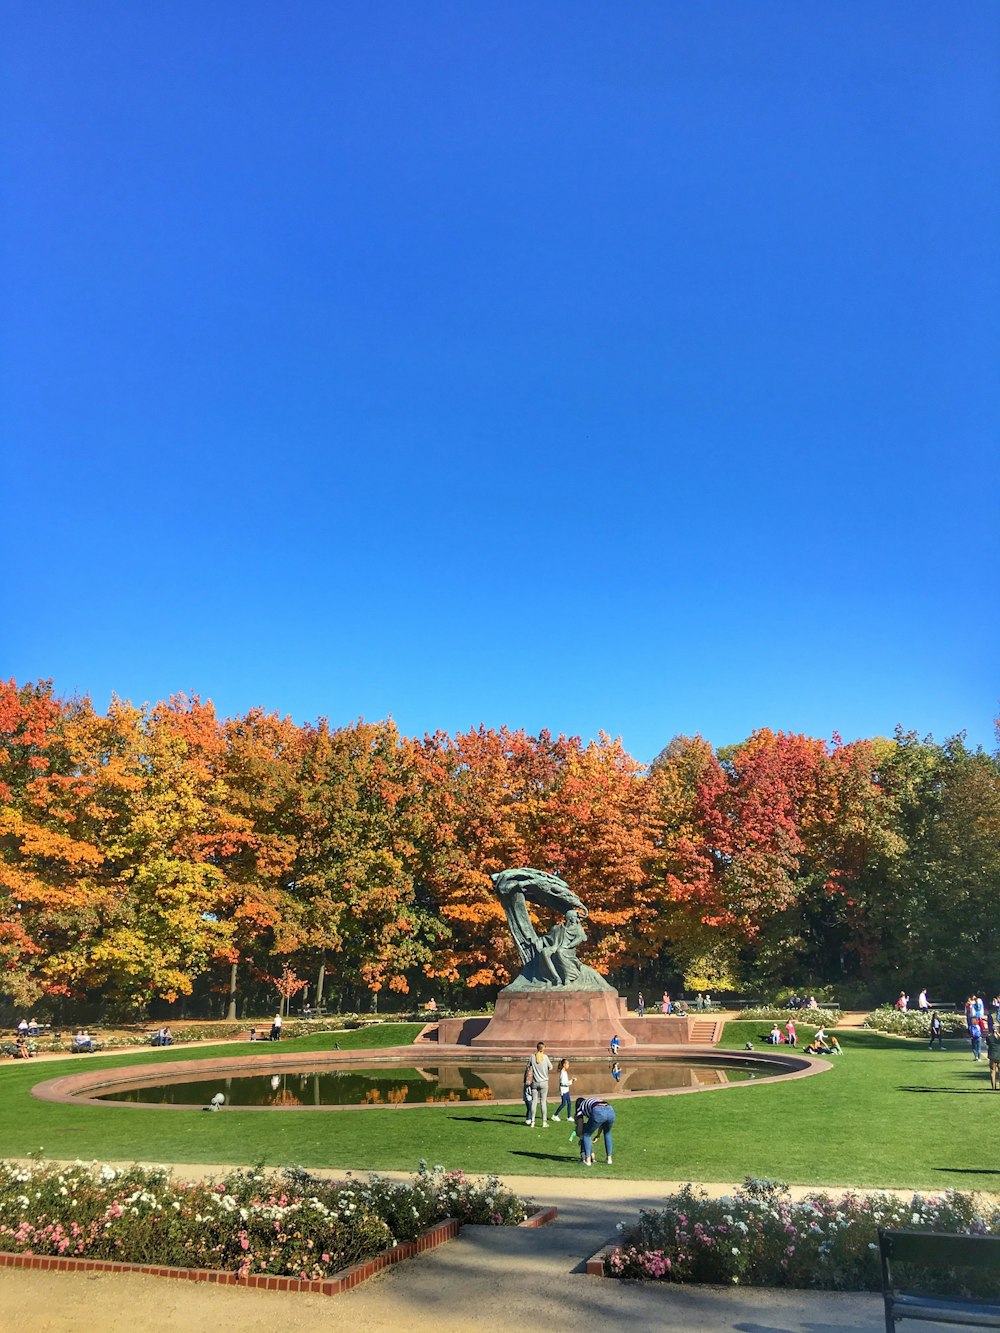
x=565, y=1083
x=528, y=1094
x=993, y=1055
x=936, y=1031
x=539, y=1066
x=593, y=1117
x=976, y=1038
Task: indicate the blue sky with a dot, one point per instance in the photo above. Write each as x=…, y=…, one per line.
x=580, y=366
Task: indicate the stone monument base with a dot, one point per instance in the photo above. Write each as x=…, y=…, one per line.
x=560, y=1017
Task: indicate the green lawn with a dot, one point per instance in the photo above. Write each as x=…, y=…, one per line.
x=890, y=1113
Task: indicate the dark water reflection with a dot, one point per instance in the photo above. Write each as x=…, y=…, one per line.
x=390, y=1085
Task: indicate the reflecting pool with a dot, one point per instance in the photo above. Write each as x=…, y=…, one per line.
x=392, y=1085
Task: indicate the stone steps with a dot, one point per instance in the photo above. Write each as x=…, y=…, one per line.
x=705, y=1031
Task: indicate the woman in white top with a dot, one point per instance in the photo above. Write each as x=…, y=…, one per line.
x=565, y=1083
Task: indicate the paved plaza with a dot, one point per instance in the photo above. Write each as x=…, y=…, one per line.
x=491, y=1278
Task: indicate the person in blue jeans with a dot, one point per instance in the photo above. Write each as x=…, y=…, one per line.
x=565, y=1083
x=593, y=1117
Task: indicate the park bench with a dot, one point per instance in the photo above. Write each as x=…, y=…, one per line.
x=931, y=1250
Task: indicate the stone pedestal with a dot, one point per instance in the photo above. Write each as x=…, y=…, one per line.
x=561, y=1018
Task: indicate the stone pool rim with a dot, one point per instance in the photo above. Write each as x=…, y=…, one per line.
x=82, y=1089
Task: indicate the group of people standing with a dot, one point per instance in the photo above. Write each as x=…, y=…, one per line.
x=593, y=1116
x=983, y=1027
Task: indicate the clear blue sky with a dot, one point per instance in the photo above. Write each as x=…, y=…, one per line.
x=569, y=365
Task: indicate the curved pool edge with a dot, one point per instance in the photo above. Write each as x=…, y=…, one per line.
x=80, y=1089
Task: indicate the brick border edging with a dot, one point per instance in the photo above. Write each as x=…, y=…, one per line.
x=326, y=1286
x=438, y=1234
x=594, y=1267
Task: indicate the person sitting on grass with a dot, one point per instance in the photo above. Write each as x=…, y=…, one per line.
x=774, y=1036
x=835, y=1047
x=818, y=1045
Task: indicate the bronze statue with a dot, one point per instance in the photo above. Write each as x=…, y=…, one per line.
x=549, y=960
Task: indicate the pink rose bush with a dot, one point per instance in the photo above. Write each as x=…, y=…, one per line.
x=279, y=1223
x=760, y=1237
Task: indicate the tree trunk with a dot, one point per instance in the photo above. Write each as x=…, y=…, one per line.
x=231, y=1011
x=320, y=982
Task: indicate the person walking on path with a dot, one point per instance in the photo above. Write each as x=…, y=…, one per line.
x=641, y=1006
x=565, y=1083
x=593, y=1117
x=276, y=1028
x=540, y=1066
x=936, y=1032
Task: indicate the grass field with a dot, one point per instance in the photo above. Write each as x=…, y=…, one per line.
x=890, y=1113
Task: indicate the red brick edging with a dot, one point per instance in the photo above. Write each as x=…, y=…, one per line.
x=594, y=1266
x=347, y=1278
x=326, y=1286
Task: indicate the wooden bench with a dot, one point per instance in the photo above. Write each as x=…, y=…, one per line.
x=930, y=1250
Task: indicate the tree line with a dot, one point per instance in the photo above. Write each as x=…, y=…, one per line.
x=163, y=853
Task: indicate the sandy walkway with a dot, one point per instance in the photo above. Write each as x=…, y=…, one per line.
x=491, y=1278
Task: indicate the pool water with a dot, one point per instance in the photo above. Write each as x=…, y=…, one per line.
x=389, y=1085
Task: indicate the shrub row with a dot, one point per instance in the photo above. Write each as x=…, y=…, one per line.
x=288, y=1223
x=771, y=1013
x=909, y=1024
x=758, y=1236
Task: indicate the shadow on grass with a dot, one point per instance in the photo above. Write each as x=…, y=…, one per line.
x=489, y=1119
x=566, y=1158
x=876, y=1041
x=968, y=1170
x=948, y=1092
x=967, y=1075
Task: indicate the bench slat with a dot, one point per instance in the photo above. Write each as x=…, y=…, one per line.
x=911, y=1306
x=936, y=1249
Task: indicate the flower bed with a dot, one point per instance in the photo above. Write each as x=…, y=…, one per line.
x=282, y=1224
x=759, y=1237
x=811, y=1018
x=914, y=1024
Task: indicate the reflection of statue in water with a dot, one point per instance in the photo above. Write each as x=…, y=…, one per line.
x=550, y=959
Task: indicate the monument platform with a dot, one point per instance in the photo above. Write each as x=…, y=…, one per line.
x=567, y=1026
x=560, y=1017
